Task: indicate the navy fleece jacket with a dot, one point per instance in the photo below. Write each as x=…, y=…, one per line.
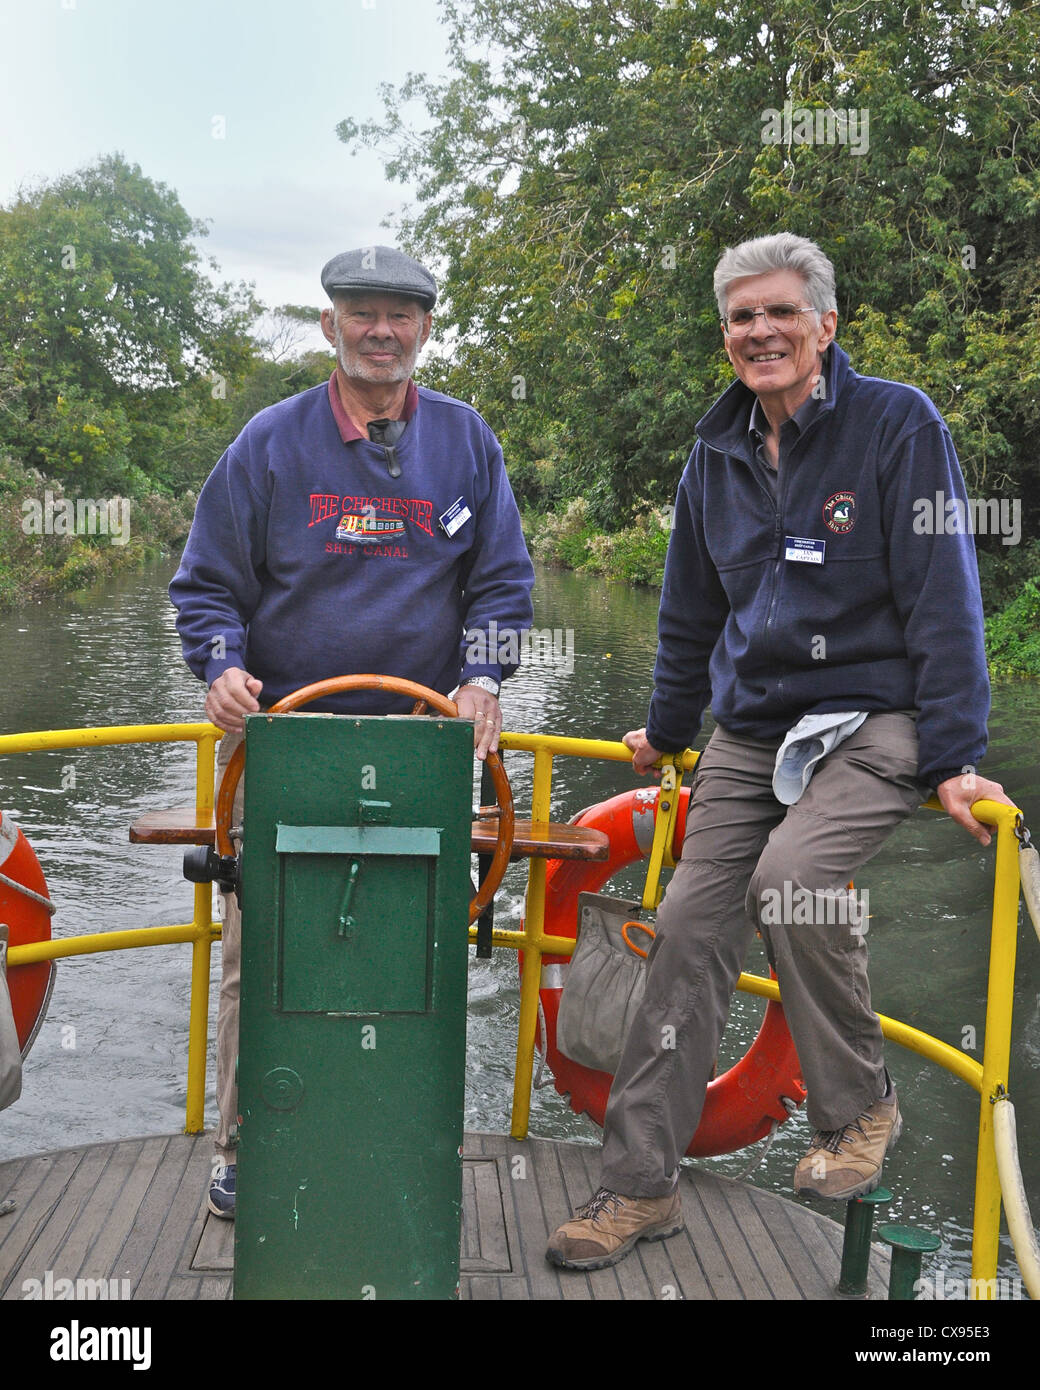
x=307, y=560
x=892, y=618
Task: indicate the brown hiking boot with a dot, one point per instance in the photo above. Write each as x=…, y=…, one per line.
x=605, y=1230
x=845, y=1163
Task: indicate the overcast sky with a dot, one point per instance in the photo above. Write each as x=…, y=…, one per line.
x=157, y=81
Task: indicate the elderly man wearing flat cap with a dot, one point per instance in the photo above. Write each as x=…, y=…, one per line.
x=366, y=525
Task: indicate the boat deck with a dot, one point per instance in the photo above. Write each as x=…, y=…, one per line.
x=134, y=1212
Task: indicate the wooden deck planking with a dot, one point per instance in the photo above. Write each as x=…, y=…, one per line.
x=57, y=1205
x=107, y=1217
x=707, y=1249
x=777, y=1279
x=182, y=1229
x=24, y=1185
x=152, y=1213
x=135, y=1211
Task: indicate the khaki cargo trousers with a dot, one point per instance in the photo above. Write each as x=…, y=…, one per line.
x=230, y=969
x=748, y=863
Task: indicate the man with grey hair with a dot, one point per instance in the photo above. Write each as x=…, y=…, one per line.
x=363, y=526
x=842, y=654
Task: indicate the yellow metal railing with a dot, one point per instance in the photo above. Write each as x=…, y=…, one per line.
x=986, y=1078
x=200, y=931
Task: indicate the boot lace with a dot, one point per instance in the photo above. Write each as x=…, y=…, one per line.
x=603, y=1199
x=833, y=1139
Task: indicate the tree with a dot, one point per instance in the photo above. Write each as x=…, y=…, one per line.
x=588, y=160
x=282, y=330
x=106, y=319
x=214, y=409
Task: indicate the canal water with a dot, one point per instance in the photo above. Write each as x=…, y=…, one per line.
x=110, y=1059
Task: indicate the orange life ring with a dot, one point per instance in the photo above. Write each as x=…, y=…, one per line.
x=741, y=1105
x=29, y=919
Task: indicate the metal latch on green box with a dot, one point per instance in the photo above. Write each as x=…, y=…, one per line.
x=357, y=841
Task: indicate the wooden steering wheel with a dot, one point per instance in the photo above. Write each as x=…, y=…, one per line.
x=423, y=697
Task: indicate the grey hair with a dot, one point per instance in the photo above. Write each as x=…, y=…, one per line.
x=782, y=251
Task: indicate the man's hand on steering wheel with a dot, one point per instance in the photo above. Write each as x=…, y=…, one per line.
x=482, y=707
x=231, y=697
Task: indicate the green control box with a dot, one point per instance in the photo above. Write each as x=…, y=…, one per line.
x=356, y=887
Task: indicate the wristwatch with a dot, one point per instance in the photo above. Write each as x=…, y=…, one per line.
x=487, y=683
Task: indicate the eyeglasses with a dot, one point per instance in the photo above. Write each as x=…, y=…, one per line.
x=782, y=317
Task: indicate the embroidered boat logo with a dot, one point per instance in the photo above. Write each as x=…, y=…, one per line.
x=365, y=527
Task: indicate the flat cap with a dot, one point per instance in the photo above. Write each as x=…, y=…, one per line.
x=383, y=269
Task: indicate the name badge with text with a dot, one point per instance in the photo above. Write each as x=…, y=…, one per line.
x=808, y=552
x=456, y=515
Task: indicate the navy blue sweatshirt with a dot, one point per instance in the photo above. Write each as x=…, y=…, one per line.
x=890, y=620
x=307, y=560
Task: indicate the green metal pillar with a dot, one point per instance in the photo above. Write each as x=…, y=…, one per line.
x=855, y=1250
x=356, y=859
x=909, y=1245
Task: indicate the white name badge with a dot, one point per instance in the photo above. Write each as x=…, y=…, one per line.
x=808, y=552
x=456, y=515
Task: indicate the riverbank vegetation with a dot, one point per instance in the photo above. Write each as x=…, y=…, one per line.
x=578, y=173
x=124, y=374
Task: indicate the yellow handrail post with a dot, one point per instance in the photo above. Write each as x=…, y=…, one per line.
x=202, y=921
x=996, y=1054
x=534, y=935
x=664, y=829
x=198, y=1010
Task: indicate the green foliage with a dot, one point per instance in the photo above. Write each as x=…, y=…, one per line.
x=535, y=482
x=106, y=323
x=1003, y=569
x=634, y=553
x=123, y=370
x=562, y=537
x=267, y=382
x=1013, y=634
x=124, y=373
x=34, y=564
x=587, y=161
